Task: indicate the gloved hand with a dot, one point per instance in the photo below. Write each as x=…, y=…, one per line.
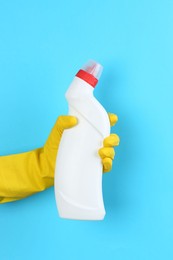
x=27, y=173
x=107, y=152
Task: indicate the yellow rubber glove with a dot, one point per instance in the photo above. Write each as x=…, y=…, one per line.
x=107, y=152
x=24, y=174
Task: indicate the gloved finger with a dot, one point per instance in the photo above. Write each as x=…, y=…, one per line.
x=111, y=140
x=107, y=164
x=112, y=118
x=62, y=123
x=107, y=152
x=65, y=122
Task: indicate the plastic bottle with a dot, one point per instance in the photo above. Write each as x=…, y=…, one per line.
x=78, y=174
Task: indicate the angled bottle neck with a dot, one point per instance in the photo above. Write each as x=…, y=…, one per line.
x=79, y=89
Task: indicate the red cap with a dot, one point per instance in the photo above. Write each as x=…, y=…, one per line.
x=90, y=73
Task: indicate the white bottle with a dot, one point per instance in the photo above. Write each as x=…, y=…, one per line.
x=78, y=174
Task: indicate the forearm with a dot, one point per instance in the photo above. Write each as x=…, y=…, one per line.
x=23, y=174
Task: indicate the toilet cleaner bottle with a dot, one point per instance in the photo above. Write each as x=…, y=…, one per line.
x=78, y=171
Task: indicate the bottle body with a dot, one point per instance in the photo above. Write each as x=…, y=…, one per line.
x=78, y=174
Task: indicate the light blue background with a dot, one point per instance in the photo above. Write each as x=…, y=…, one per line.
x=42, y=45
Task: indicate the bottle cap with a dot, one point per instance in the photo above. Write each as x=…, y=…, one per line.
x=90, y=72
